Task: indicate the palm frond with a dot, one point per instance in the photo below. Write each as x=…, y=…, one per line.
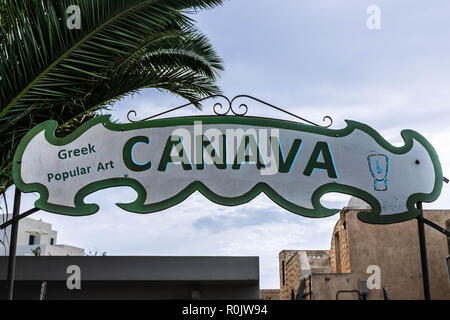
x=48, y=71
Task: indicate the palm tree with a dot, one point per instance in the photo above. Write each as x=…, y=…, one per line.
x=48, y=71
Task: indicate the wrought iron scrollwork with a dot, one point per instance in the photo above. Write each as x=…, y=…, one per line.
x=232, y=106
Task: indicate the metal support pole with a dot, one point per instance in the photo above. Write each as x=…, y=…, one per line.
x=310, y=288
x=13, y=244
x=423, y=253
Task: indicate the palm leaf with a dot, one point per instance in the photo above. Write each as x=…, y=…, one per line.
x=50, y=72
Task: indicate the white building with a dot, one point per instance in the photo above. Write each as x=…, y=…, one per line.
x=38, y=236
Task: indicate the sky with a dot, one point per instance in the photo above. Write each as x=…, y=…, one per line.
x=312, y=58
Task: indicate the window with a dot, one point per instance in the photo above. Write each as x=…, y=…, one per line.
x=33, y=239
x=283, y=267
x=337, y=252
x=52, y=241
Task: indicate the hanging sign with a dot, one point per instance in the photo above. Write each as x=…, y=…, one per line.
x=230, y=160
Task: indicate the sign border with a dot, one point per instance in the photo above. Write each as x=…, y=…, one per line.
x=138, y=206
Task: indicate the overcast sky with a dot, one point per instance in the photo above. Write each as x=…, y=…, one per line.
x=313, y=58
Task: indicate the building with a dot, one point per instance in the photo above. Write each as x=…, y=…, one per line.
x=35, y=237
x=116, y=277
x=359, y=252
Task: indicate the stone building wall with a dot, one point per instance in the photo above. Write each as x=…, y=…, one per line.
x=340, y=233
x=289, y=260
x=393, y=248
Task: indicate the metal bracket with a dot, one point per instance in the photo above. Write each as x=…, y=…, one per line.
x=19, y=217
x=241, y=110
x=434, y=226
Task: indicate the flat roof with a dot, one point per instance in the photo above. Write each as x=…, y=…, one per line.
x=135, y=268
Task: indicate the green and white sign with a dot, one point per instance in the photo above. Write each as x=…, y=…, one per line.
x=230, y=160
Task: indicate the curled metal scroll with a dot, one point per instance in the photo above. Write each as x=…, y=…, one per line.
x=232, y=106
